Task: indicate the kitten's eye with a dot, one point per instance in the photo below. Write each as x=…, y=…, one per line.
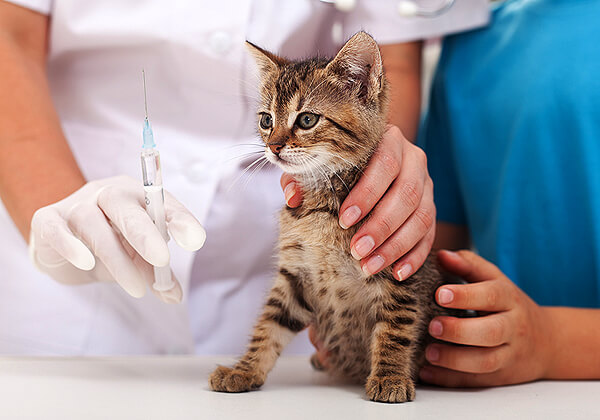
x=266, y=121
x=307, y=120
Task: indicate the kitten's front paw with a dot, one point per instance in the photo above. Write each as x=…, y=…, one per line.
x=225, y=379
x=390, y=389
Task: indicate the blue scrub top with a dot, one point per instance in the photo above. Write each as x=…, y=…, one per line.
x=513, y=140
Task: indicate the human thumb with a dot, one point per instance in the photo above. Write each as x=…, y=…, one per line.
x=468, y=265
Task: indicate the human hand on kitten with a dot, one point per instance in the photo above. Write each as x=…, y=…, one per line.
x=397, y=194
x=510, y=343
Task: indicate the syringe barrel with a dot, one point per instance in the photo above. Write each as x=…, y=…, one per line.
x=151, y=168
x=155, y=207
x=153, y=190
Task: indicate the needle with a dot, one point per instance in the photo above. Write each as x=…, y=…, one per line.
x=145, y=99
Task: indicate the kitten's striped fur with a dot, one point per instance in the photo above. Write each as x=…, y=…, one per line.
x=373, y=327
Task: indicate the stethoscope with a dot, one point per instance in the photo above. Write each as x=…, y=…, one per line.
x=408, y=8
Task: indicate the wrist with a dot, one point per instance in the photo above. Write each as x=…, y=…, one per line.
x=574, y=343
x=551, y=343
x=22, y=210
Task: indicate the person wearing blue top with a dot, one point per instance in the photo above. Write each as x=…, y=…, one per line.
x=512, y=136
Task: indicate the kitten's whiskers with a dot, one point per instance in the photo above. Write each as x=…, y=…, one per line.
x=255, y=170
x=230, y=153
x=246, y=169
x=306, y=165
x=322, y=172
x=243, y=156
x=351, y=164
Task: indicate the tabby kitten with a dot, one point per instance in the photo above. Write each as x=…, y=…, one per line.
x=321, y=120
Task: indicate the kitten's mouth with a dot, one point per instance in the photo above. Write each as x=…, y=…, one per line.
x=275, y=159
x=279, y=161
x=286, y=165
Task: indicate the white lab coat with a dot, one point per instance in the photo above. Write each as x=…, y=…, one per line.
x=201, y=93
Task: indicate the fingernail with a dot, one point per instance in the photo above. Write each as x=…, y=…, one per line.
x=432, y=353
x=349, y=217
x=289, y=191
x=445, y=296
x=362, y=247
x=426, y=375
x=373, y=265
x=404, y=272
x=436, y=328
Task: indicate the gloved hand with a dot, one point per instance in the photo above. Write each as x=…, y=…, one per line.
x=102, y=232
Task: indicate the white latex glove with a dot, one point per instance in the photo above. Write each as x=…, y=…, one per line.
x=102, y=232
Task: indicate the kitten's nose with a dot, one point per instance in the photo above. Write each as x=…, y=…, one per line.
x=276, y=147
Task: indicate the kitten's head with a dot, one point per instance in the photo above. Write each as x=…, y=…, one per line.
x=319, y=116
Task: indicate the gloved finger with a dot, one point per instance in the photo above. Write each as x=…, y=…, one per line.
x=173, y=295
x=185, y=229
x=100, y=273
x=124, y=209
x=90, y=224
x=49, y=227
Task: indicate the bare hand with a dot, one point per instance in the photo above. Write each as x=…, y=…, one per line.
x=396, y=192
x=509, y=344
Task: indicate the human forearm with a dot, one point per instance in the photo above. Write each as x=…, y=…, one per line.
x=36, y=164
x=402, y=64
x=575, y=343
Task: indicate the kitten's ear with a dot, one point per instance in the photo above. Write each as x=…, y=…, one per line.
x=359, y=62
x=267, y=62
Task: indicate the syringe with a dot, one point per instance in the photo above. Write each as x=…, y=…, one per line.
x=154, y=195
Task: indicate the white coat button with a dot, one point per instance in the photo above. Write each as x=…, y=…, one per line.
x=198, y=172
x=220, y=42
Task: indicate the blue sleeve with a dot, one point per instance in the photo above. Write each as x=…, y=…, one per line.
x=435, y=137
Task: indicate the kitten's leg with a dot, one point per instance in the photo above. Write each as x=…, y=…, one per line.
x=284, y=315
x=393, y=351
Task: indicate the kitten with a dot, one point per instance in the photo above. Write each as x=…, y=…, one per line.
x=321, y=120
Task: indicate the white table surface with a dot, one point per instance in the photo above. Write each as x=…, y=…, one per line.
x=176, y=388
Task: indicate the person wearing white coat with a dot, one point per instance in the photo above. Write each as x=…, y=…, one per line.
x=85, y=113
